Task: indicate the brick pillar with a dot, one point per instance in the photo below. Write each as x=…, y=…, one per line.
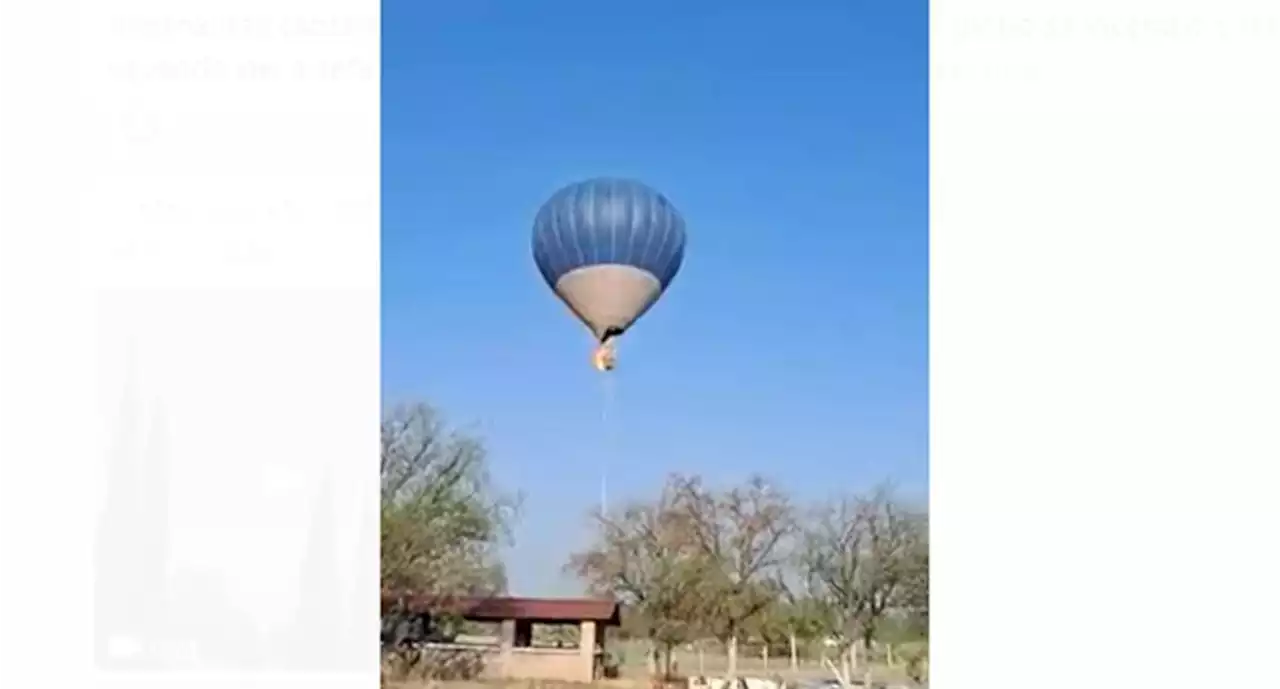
x=587, y=650
x=506, y=640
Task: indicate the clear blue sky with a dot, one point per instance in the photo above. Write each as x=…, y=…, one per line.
x=793, y=137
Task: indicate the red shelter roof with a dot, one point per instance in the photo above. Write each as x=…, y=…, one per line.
x=496, y=609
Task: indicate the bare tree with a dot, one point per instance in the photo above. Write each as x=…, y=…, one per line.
x=740, y=536
x=861, y=557
x=639, y=557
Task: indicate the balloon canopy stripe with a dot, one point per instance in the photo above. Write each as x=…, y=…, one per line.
x=608, y=221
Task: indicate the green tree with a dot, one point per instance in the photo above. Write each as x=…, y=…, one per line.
x=442, y=521
x=914, y=598
x=802, y=618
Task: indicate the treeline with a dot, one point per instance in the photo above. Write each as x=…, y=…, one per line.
x=747, y=562
x=738, y=564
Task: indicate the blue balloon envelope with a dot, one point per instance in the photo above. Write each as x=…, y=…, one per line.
x=608, y=248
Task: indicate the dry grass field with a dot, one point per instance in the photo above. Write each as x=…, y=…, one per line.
x=635, y=672
x=624, y=683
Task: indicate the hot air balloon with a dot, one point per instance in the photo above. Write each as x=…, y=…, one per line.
x=608, y=248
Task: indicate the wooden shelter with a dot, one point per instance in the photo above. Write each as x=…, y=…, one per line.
x=515, y=655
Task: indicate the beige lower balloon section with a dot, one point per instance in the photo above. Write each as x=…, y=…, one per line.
x=608, y=295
